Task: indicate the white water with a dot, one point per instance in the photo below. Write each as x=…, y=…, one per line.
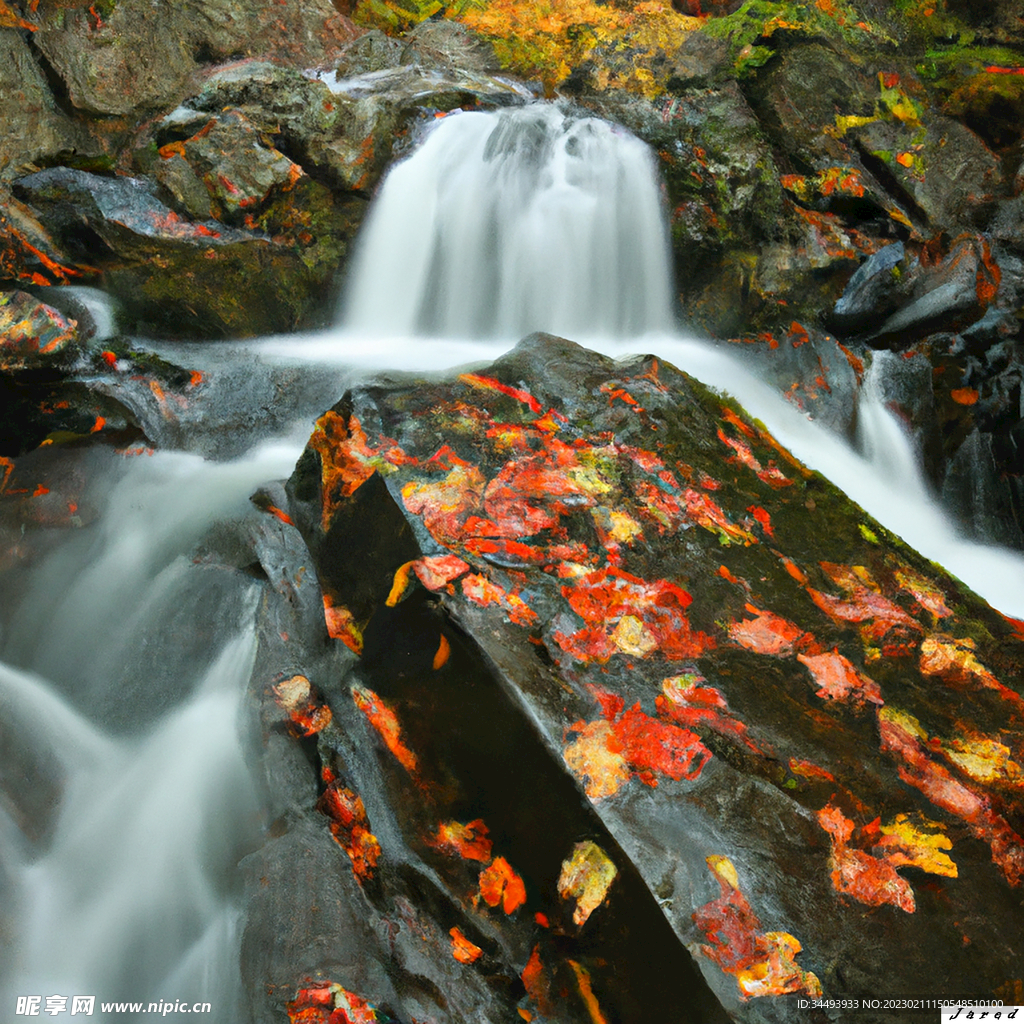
x=130, y=891
x=501, y=224
x=506, y=223
x=131, y=659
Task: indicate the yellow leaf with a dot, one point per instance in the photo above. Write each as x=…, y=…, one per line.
x=586, y=877
x=905, y=844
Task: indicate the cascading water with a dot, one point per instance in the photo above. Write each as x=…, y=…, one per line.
x=125, y=802
x=127, y=654
x=501, y=224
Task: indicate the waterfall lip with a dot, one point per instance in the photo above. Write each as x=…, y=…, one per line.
x=373, y=82
x=531, y=217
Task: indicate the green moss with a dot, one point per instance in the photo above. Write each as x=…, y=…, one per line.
x=749, y=29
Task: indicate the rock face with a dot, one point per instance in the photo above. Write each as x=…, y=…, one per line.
x=131, y=57
x=616, y=681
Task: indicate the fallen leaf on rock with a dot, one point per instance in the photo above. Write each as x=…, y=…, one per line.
x=500, y=884
x=985, y=760
x=350, y=828
x=954, y=661
x=445, y=505
x=341, y=625
x=307, y=712
x=687, y=702
x=467, y=841
x=921, y=846
x=925, y=592
x=482, y=591
x=609, y=751
x=706, y=513
x=837, y=679
x=491, y=384
x=763, y=963
x=330, y=1003
x=595, y=758
x=964, y=396
x=809, y=770
x=385, y=722
x=587, y=992
x=442, y=654
x=463, y=950
x=586, y=877
x=602, y=597
x=344, y=460
x=864, y=603
x=869, y=880
x=903, y=737
x=537, y=983
x=743, y=454
x=766, y=633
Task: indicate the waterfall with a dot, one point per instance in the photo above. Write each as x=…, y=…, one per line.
x=125, y=655
x=125, y=801
x=525, y=220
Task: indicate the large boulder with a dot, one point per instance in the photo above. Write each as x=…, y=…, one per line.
x=175, y=275
x=132, y=57
x=34, y=125
x=607, y=659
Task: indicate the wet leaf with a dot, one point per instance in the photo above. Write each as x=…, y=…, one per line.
x=766, y=633
x=837, y=679
x=763, y=963
x=922, y=846
x=500, y=884
x=463, y=950
x=586, y=877
x=467, y=841
x=385, y=721
x=869, y=880
x=307, y=712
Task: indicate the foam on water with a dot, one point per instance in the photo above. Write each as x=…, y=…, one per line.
x=505, y=223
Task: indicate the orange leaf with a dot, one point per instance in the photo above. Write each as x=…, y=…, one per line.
x=468, y=841
x=500, y=884
x=385, y=721
x=463, y=950
x=442, y=654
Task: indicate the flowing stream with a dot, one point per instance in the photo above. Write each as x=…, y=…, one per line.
x=125, y=803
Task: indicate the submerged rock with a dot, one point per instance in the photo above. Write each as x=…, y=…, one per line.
x=609, y=662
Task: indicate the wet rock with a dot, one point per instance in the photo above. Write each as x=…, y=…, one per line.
x=814, y=372
x=28, y=253
x=229, y=159
x=872, y=293
x=372, y=51
x=943, y=169
x=723, y=194
x=173, y=275
x=306, y=911
x=33, y=336
x=942, y=286
x=800, y=735
x=991, y=104
x=344, y=130
x=92, y=310
x=977, y=491
x=34, y=125
x=801, y=96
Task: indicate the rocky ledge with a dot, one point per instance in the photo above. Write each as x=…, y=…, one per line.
x=603, y=707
